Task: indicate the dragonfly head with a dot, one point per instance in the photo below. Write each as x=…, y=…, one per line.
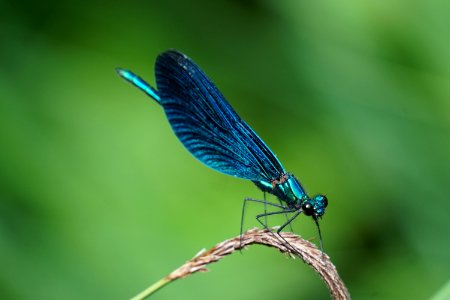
x=315, y=207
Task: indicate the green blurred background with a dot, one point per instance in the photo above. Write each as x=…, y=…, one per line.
x=99, y=199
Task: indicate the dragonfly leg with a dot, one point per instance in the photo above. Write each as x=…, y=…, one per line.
x=284, y=211
x=289, y=221
x=278, y=235
x=268, y=203
x=265, y=208
x=287, y=218
x=265, y=212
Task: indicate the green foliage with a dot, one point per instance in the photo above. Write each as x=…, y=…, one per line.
x=98, y=198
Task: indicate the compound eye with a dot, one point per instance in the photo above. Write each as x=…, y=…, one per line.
x=308, y=209
x=325, y=201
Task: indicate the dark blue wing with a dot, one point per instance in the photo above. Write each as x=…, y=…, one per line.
x=207, y=125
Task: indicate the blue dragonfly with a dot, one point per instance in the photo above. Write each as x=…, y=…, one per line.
x=212, y=131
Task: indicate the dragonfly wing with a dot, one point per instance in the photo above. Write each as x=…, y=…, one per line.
x=207, y=125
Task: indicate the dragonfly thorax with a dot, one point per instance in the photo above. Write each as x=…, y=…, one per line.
x=289, y=190
x=286, y=188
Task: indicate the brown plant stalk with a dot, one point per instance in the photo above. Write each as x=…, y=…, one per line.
x=307, y=251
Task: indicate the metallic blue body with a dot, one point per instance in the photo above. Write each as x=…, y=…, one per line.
x=290, y=191
x=139, y=83
x=213, y=132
